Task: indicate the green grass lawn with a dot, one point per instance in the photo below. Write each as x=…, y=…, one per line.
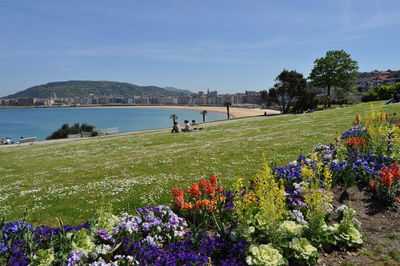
x=70, y=180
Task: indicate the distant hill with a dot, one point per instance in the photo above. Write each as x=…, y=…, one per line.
x=178, y=90
x=75, y=88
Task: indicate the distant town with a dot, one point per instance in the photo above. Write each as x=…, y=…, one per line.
x=249, y=98
x=201, y=98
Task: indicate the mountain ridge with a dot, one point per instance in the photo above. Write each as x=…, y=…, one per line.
x=90, y=88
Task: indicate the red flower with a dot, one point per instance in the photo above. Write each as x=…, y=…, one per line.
x=355, y=142
x=203, y=183
x=213, y=180
x=397, y=199
x=177, y=192
x=386, y=176
x=194, y=191
x=210, y=190
x=395, y=169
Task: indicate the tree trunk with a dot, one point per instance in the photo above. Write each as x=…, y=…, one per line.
x=328, y=97
x=204, y=118
x=227, y=109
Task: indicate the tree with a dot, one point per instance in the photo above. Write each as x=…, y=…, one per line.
x=306, y=100
x=264, y=96
x=76, y=128
x=203, y=113
x=290, y=86
x=336, y=69
x=174, y=117
x=227, y=104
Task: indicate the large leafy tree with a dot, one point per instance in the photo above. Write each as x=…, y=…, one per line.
x=336, y=69
x=289, y=87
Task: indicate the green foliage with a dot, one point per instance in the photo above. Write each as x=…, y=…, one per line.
x=264, y=255
x=82, y=240
x=290, y=90
x=336, y=69
x=76, y=88
x=103, y=219
x=44, y=257
x=303, y=251
x=262, y=209
x=382, y=92
x=346, y=233
x=76, y=128
x=135, y=170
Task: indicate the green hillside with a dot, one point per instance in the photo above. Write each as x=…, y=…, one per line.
x=73, y=88
x=70, y=179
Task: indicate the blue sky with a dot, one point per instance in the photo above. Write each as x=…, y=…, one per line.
x=224, y=45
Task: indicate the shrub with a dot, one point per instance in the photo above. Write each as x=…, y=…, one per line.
x=76, y=128
x=382, y=92
x=261, y=207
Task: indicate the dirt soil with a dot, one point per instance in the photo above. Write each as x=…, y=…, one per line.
x=380, y=226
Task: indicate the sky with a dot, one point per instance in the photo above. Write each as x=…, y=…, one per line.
x=224, y=45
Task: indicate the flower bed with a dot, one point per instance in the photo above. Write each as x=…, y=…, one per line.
x=282, y=216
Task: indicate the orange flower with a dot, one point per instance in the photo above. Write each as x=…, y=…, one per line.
x=177, y=192
x=372, y=184
x=219, y=189
x=187, y=206
x=356, y=120
x=355, y=142
x=202, y=203
x=397, y=199
x=194, y=191
x=386, y=176
x=395, y=169
x=213, y=180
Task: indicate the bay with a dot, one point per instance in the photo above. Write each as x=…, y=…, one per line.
x=41, y=122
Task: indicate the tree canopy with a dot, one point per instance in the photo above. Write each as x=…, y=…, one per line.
x=336, y=69
x=290, y=87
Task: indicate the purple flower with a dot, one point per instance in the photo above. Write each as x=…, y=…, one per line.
x=75, y=257
x=103, y=234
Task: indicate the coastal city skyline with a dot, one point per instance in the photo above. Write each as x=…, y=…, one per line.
x=229, y=46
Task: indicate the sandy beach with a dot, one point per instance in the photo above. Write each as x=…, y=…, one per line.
x=234, y=111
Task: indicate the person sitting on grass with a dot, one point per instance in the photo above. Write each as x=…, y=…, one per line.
x=194, y=124
x=187, y=126
x=175, y=128
x=395, y=98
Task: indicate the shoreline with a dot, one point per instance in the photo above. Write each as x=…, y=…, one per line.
x=234, y=111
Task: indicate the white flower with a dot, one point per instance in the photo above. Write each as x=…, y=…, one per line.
x=264, y=255
x=291, y=228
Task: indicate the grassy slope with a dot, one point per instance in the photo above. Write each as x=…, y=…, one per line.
x=71, y=179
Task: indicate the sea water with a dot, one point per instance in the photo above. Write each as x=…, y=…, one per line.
x=41, y=122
